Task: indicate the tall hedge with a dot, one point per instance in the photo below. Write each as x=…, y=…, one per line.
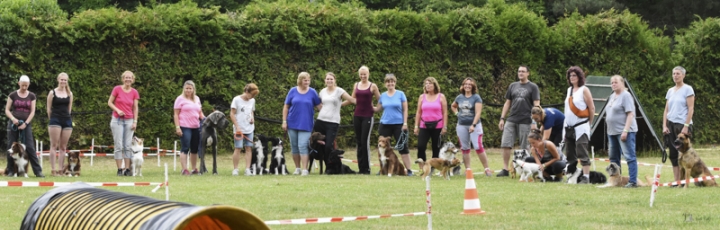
x=270, y=43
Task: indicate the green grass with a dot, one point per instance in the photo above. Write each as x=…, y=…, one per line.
x=508, y=203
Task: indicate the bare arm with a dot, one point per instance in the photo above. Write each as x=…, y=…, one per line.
x=590, y=104
x=348, y=99
x=176, y=118
x=32, y=112
x=7, y=110
x=378, y=108
x=48, y=107
x=376, y=91
x=550, y=147
x=664, y=124
x=72, y=98
x=505, y=109
x=418, y=114
x=691, y=108
x=405, y=115
x=111, y=104
x=284, y=116
x=353, y=96
x=443, y=102
x=454, y=107
x=546, y=134
x=135, y=113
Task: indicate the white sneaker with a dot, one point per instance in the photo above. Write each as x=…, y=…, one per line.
x=235, y=172
x=297, y=171
x=305, y=173
x=248, y=172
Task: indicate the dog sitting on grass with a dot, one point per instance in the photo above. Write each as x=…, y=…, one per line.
x=690, y=162
x=20, y=157
x=72, y=168
x=389, y=162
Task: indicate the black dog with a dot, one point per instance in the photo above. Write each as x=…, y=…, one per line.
x=595, y=177
x=334, y=164
x=267, y=149
x=214, y=122
x=317, y=150
x=277, y=164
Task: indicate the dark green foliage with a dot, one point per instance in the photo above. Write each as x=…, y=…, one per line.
x=269, y=43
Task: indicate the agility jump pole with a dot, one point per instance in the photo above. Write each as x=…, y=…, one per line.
x=648, y=164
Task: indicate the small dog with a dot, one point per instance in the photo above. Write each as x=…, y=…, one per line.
x=690, y=162
x=448, y=152
x=575, y=173
x=258, y=156
x=73, y=164
x=389, y=162
x=20, y=157
x=616, y=178
x=528, y=171
x=267, y=150
x=212, y=124
x=334, y=164
x=520, y=154
x=317, y=150
x=277, y=165
x=137, y=160
x=444, y=166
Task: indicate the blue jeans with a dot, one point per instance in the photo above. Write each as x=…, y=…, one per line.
x=190, y=140
x=299, y=141
x=627, y=148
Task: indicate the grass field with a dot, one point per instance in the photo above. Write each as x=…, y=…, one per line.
x=508, y=203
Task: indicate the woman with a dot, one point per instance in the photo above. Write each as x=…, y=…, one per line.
x=20, y=108
x=430, y=118
x=393, y=121
x=621, y=127
x=551, y=122
x=468, y=107
x=363, y=92
x=59, y=109
x=299, y=104
x=124, y=103
x=678, y=114
x=242, y=114
x=187, y=113
x=579, y=114
x=328, y=119
x=546, y=155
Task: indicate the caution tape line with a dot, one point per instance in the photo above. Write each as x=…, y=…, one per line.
x=648, y=164
x=356, y=162
x=56, y=184
x=338, y=219
x=680, y=182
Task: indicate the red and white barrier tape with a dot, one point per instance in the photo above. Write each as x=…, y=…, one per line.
x=648, y=164
x=356, y=162
x=338, y=219
x=56, y=184
x=681, y=182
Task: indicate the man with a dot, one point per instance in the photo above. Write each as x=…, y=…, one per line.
x=521, y=96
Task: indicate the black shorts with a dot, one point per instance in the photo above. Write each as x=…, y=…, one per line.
x=62, y=122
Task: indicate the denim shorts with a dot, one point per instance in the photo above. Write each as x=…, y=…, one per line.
x=246, y=142
x=62, y=122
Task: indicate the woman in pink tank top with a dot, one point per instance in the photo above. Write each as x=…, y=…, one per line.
x=431, y=110
x=363, y=93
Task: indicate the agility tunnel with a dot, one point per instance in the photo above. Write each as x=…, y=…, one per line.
x=81, y=206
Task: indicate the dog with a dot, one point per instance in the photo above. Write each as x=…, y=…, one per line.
x=690, y=162
x=575, y=173
x=389, y=162
x=616, y=179
x=528, y=171
x=72, y=168
x=258, y=156
x=445, y=166
x=20, y=157
x=448, y=152
x=137, y=160
x=213, y=123
x=518, y=154
x=277, y=165
x=267, y=144
x=334, y=164
x=317, y=149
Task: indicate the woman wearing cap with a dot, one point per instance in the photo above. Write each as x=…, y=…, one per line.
x=20, y=108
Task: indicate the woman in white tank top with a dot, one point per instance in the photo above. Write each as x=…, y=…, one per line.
x=579, y=114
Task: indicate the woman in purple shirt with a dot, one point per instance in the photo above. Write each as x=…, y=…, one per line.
x=363, y=121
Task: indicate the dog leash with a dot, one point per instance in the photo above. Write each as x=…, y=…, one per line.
x=401, y=141
x=21, y=132
x=240, y=136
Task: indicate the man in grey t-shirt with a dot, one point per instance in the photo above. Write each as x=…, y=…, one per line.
x=520, y=98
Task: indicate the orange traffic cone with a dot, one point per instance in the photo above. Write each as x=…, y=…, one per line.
x=472, y=202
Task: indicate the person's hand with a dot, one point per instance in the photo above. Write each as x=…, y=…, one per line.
x=443, y=130
x=623, y=136
x=120, y=113
x=472, y=129
x=252, y=120
x=134, y=125
x=666, y=130
x=542, y=168
x=178, y=131
x=284, y=126
x=417, y=131
x=15, y=122
x=23, y=126
x=685, y=130
x=404, y=128
x=501, y=125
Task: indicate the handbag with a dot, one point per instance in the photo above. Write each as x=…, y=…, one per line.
x=570, y=130
x=579, y=113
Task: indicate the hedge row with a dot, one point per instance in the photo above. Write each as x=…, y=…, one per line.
x=270, y=43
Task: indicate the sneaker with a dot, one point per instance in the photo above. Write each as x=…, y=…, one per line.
x=120, y=172
x=40, y=175
x=185, y=172
x=127, y=172
x=488, y=172
x=248, y=172
x=409, y=173
x=631, y=185
x=503, y=173
x=195, y=172
x=235, y=172
x=456, y=171
x=305, y=173
x=584, y=180
x=297, y=171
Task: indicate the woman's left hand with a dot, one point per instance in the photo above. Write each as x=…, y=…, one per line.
x=134, y=125
x=22, y=126
x=443, y=131
x=685, y=130
x=623, y=136
x=472, y=129
x=404, y=128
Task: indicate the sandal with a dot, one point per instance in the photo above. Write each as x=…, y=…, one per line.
x=488, y=172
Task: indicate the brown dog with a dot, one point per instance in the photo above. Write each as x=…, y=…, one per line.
x=443, y=165
x=690, y=163
x=389, y=162
x=21, y=159
x=617, y=180
x=73, y=164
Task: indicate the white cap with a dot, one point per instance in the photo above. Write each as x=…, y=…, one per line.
x=24, y=78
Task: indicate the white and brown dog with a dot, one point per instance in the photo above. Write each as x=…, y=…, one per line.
x=444, y=166
x=616, y=178
x=528, y=171
x=448, y=152
x=519, y=154
x=72, y=168
x=20, y=157
x=137, y=160
x=389, y=162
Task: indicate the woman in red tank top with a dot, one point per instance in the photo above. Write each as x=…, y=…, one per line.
x=363, y=93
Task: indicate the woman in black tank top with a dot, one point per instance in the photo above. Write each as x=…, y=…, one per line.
x=59, y=108
x=545, y=154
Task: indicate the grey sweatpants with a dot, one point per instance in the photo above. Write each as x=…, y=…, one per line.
x=119, y=127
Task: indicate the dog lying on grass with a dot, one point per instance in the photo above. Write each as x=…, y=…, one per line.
x=72, y=168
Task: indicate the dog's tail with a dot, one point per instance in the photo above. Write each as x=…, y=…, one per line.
x=419, y=161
